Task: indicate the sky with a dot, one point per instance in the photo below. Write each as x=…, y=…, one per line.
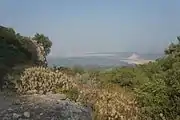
x=77, y=27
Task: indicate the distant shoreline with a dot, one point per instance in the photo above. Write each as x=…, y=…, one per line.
x=129, y=61
x=124, y=59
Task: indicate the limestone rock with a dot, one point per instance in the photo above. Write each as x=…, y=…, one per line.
x=38, y=52
x=15, y=115
x=47, y=109
x=26, y=114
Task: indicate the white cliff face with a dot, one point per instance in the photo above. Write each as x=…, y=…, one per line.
x=134, y=57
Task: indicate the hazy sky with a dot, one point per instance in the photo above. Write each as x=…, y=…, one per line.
x=80, y=26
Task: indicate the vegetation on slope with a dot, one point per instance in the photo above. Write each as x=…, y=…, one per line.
x=156, y=85
x=16, y=49
x=149, y=91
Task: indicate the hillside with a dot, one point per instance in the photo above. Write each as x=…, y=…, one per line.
x=18, y=56
x=140, y=92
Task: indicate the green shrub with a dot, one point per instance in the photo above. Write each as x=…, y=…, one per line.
x=159, y=97
x=125, y=77
x=153, y=98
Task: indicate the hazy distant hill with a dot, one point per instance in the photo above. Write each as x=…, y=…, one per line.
x=101, y=60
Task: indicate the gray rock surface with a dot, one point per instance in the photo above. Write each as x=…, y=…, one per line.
x=42, y=107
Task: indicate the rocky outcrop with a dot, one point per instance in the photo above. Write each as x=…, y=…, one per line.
x=37, y=51
x=44, y=107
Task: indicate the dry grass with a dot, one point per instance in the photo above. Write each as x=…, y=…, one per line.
x=44, y=80
x=110, y=103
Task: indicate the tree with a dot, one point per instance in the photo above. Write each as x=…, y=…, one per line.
x=174, y=49
x=44, y=40
x=12, y=52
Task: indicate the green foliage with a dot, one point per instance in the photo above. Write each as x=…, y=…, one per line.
x=156, y=84
x=12, y=51
x=174, y=49
x=11, y=47
x=44, y=40
x=153, y=98
x=125, y=77
x=16, y=49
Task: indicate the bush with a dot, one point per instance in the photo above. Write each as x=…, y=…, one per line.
x=110, y=103
x=16, y=49
x=125, y=77
x=156, y=86
x=44, y=80
x=44, y=40
x=153, y=99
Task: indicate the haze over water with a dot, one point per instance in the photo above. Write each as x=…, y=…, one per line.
x=77, y=27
